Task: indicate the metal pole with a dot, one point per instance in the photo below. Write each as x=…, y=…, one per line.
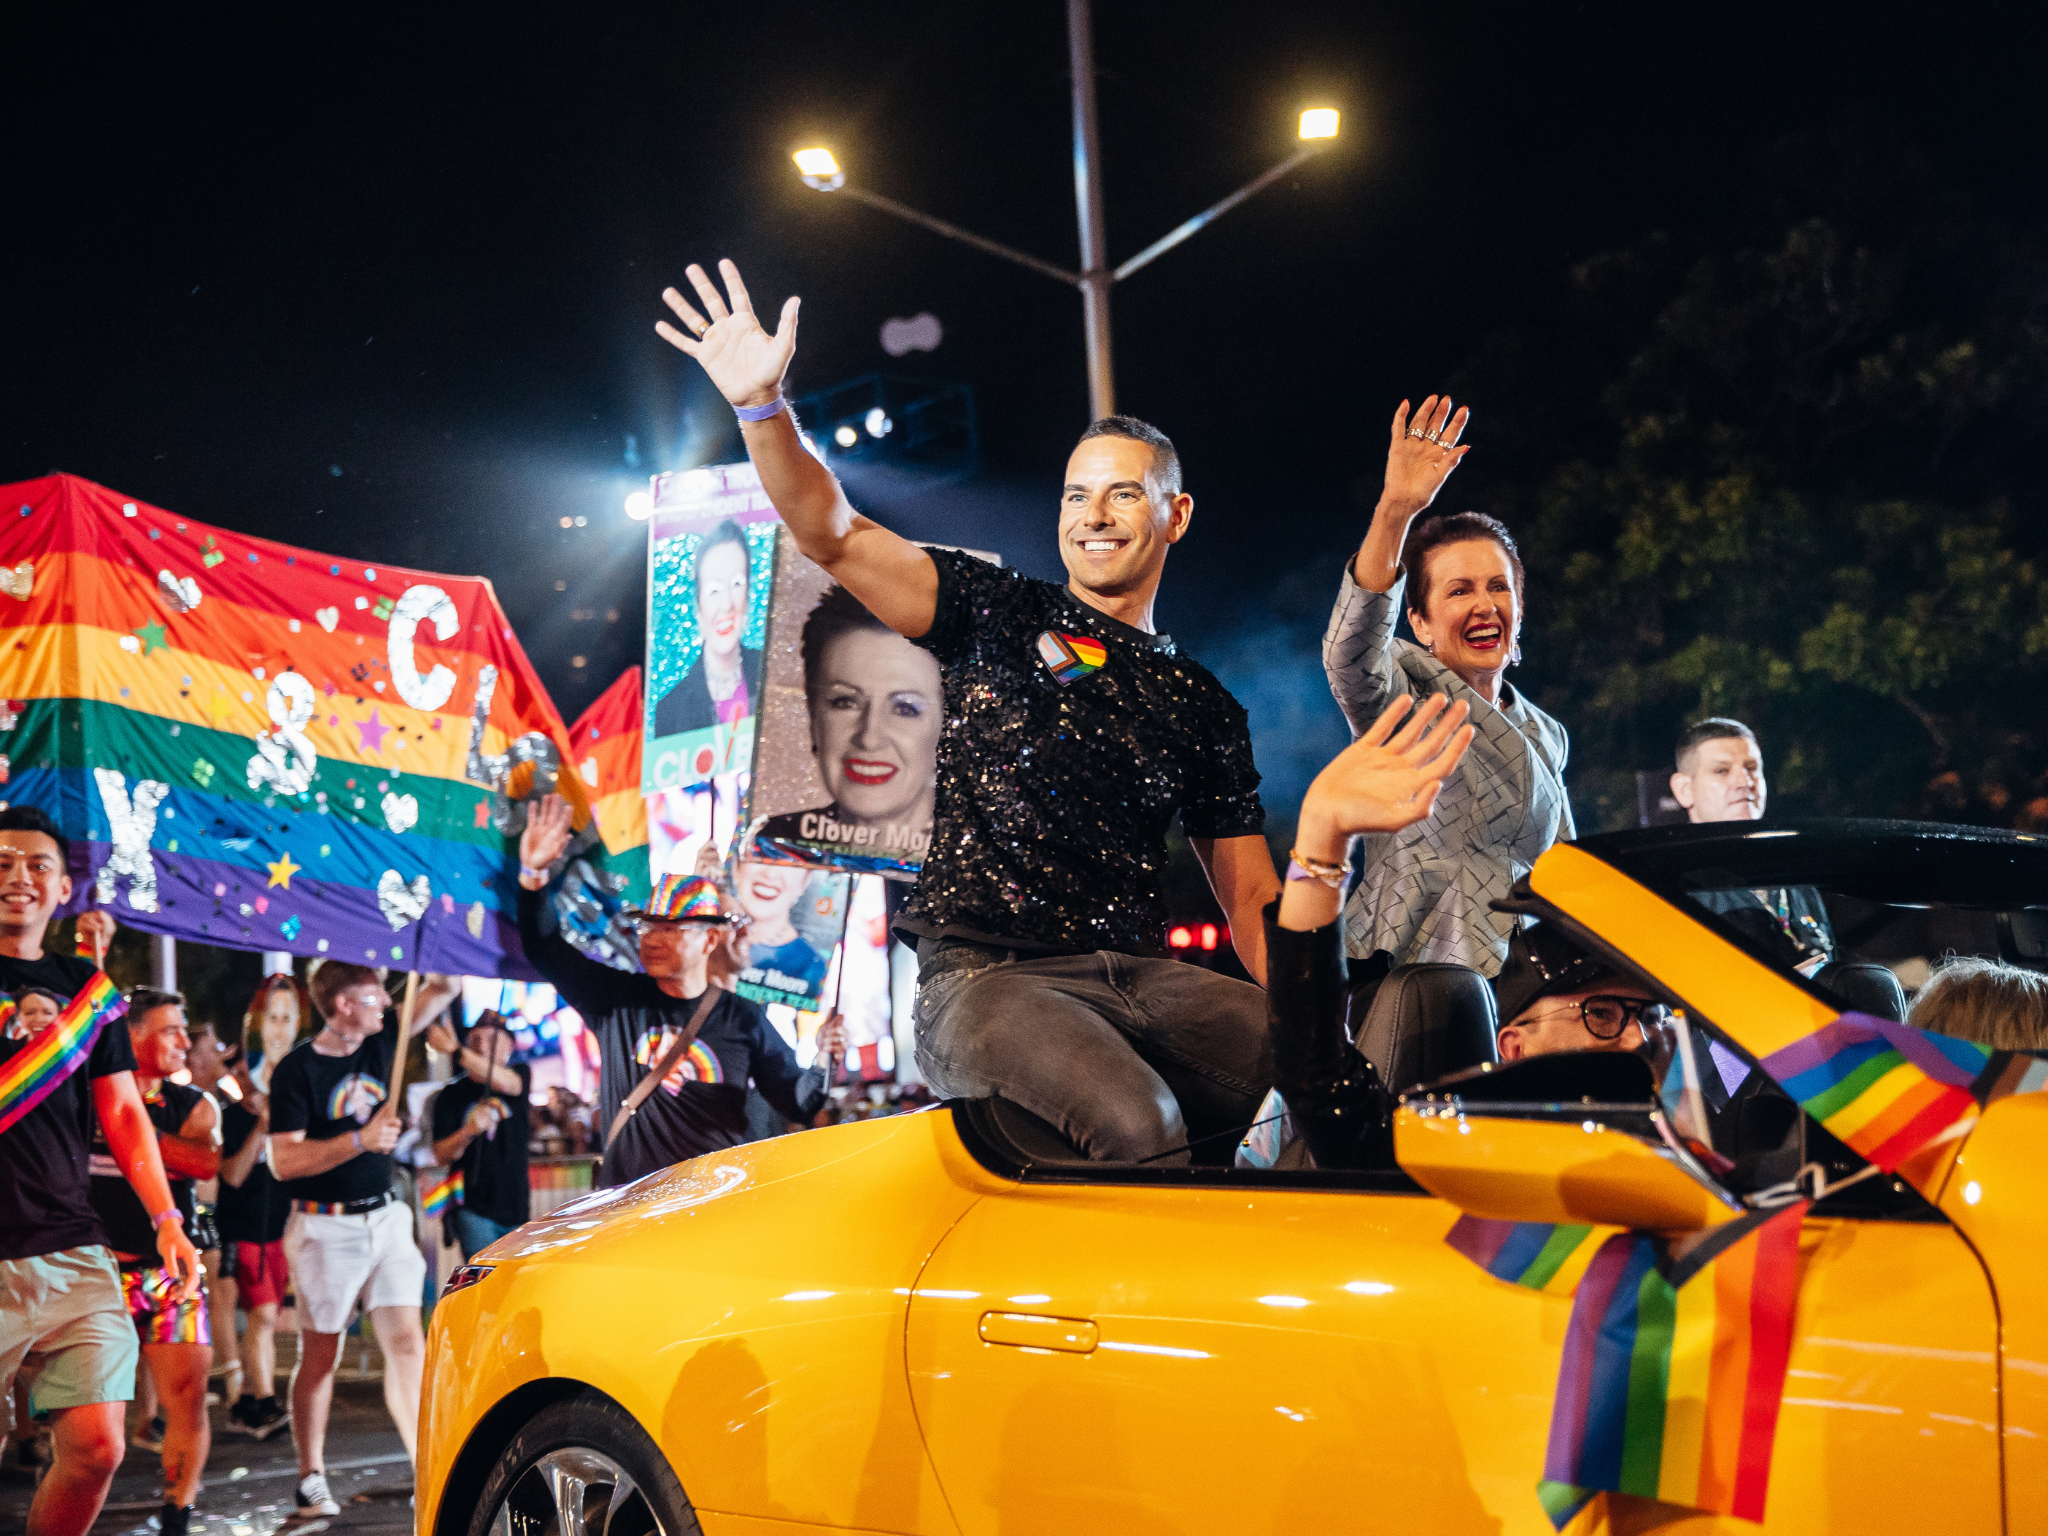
x=163, y=958
x=1095, y=274
x=1210, y=215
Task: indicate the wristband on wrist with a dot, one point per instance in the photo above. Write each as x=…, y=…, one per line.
x=357, y=1138
x=1301, y=867
x=760, y=412
x=173, y=1214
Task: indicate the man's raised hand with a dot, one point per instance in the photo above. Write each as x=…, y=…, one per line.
x=744, y=362
x=545, y=839
x=1390, y=777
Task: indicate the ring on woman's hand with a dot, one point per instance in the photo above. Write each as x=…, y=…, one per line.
x=699, y=326
x=1431, y=437
x=1415, y=431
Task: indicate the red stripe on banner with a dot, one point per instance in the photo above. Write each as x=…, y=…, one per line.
x=1773, y=1298
x=1924, y=1127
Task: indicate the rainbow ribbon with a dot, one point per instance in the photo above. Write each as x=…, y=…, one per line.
x=1674, y=1370
x=435, y=1201
x=34, y=1072
x=1535, y=1254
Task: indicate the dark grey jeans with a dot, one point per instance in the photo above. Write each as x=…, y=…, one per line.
x=1129, y=1057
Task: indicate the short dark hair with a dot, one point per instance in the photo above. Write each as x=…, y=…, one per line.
x=30, y=818
x=837, y=613
x=331, y=978
x=1165, y=458
x=1433, y=533
x=143, y=1001
x=1713, y=728
x=21, y=993
x=726, y=532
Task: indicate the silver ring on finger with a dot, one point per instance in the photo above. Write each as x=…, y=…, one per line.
x=1431, y=437
x=1415, y=432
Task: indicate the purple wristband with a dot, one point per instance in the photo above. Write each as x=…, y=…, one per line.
x=760, y=412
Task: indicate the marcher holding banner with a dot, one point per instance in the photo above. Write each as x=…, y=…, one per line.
x=333, y=1123
x=64, y=1324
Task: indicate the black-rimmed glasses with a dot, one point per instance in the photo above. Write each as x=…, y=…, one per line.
x=1606, y=1016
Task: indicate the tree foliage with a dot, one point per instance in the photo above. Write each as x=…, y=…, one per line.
x=1793, y=477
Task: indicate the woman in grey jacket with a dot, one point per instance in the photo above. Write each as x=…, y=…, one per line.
x=1426, y=888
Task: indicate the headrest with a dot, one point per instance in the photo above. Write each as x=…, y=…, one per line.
x=1865, y=987
x=1426, y=1021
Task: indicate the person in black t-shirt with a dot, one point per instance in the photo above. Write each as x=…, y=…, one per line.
x=175, y=1331
x=350, y=1239
x=481, y=1125
x=701, y=1106
x=65, y=1331
x=1074, y=734
x=254, y=1207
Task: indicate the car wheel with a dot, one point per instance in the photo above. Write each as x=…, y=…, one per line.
x=583, y=1467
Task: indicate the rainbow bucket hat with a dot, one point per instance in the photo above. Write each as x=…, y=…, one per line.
x=686, y=899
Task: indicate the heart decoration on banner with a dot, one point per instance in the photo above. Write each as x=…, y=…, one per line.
x=181, y=592
x=19, y=582
x=328, y=617
x=401, y=812
x=400, y=903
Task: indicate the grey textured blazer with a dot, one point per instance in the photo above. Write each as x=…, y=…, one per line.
x=1426, y=888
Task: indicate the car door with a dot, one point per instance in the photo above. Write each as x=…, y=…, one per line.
x=1089, y=1356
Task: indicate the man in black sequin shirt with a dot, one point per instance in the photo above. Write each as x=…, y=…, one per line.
x=1074, y=734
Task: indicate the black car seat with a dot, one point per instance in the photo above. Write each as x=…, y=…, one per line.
x=1426, y=1021
x=1864, y=987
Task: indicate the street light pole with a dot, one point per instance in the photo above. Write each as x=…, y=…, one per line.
x=821, y=172
x=1095, y=274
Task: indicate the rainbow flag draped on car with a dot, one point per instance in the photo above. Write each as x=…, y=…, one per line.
x=263, y=747
x=1674, y=1370
x=34, y=1072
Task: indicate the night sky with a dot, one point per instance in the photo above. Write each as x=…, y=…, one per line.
x=383, y=283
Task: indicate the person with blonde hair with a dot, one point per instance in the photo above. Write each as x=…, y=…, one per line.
x=2000, y=1006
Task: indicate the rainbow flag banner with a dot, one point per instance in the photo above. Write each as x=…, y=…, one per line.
x=444, y=1192
x=1536, y=1254
x=263, y=747
x=605, y=747
x=1674, y=1369
x=1886, y=1089
x=33, y=1073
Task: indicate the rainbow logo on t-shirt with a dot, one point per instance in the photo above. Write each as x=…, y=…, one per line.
x=700, y=1063
x=355, y=1097
x=1070, y=656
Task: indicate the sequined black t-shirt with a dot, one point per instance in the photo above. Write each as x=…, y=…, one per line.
x=1071, y=740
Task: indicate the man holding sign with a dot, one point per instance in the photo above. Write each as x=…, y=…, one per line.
x=333, y=1123
x=64, y=1323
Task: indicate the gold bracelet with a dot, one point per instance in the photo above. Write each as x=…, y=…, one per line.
x=1331, y=875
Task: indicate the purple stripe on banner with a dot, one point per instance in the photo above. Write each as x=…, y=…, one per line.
x=1478, y=1238
x=1575, y=1372
x=1955, y=1062
x=1826, y=1056
x=1600, y=1450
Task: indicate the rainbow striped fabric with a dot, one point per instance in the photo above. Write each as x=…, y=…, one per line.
x=435, y=1200
x=261, y=747
x=1674, y=1369
x=1886, y=1089
x=605, y=742
x=34, y=1072
x=1069, y=657
x=1535, y=1254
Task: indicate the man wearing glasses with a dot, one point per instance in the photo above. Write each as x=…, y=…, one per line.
x=701, y=1103
x=1555, y=997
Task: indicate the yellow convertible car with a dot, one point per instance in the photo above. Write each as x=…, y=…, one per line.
x=946, y=1323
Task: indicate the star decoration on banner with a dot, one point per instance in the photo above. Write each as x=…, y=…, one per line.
x=373, y=731
x=220, y=706
x=483, y=812
x=152, y=637
x=282, y=871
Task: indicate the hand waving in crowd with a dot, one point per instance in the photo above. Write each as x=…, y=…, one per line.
x=1423, y=452
x=744, y=361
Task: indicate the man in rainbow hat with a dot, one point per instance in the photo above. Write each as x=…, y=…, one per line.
x=711, y=1039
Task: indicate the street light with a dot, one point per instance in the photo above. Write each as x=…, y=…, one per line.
x=821, y=171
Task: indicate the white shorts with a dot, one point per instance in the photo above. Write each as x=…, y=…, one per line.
x=337, y=1261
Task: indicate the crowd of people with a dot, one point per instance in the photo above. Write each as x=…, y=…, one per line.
x=1074, y=735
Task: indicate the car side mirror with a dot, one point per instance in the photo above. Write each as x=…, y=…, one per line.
x=1517, y=1143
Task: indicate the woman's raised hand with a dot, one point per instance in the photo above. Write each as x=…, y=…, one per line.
x=743, y=360
x=545, y=839
x=1387, y=779
x=1424, y=451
